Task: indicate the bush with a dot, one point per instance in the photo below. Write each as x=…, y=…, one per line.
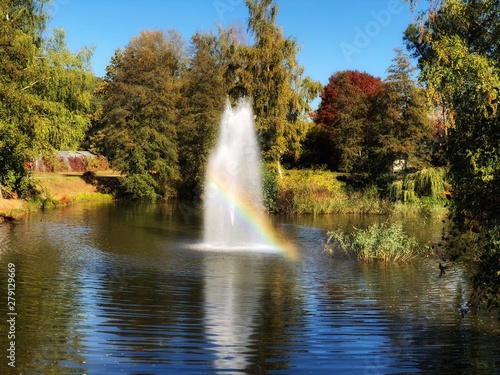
x=15, y=178
x=270, y=188
x=139, y=187
x=74, y=163
x=89, y=177
x=385, y=242
x=310, y=192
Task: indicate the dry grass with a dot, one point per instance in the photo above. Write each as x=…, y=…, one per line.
x=10, y=205
x=63, y=187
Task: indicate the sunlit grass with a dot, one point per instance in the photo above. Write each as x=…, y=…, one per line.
x=53, y=190
x=318, y=192
x=85, y=197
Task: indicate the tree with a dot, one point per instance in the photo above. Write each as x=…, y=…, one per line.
x=405, y=129
x=234, y=59
x=368, y=124
x=280, y=93
x=457, y=44
x=203, y=98
x=268, y=72
x=346, y=113
x=141, y=95
x=44, y=91
x=22, y=23
x=67, y=87
x=21, y=27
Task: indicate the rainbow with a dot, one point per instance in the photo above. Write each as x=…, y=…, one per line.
x=254, y=219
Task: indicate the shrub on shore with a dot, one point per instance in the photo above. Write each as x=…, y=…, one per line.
x=310, y=192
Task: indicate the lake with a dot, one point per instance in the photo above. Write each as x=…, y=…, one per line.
x=122, y=288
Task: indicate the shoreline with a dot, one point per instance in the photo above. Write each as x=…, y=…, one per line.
x=55, y=189
x=303, y=193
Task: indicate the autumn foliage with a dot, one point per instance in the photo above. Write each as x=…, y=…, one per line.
x=345, y=114
x=364, y=124
x=343, y=89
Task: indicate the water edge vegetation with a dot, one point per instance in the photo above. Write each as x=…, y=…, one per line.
x=386, y=242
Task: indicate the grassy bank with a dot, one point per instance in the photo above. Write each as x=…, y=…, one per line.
x=55, y=189
x=322, y=192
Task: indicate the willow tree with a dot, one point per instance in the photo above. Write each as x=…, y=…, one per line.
x=44, y=91
x=140, y=96
x=457, y=44
x=67, y=88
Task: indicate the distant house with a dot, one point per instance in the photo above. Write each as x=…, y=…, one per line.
x=69, y=161
x=76, y=154
x=399, y=165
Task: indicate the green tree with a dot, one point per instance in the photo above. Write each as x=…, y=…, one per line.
x=233, y=56
x=44, y=91
x=268, y=72
x=457, y=44
x=405, y=131
x=22, y=23
x=280, y=93
x=203, y=98
x=141, y=95
x=21, y=27
x=66, y=87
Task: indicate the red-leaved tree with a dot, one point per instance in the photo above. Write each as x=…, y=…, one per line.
x=346, y=117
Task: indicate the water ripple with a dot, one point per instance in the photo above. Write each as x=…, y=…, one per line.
x=95, y=302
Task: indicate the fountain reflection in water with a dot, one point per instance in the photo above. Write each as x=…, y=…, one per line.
x=232, y=290
x=233, y=194
x=234, y=220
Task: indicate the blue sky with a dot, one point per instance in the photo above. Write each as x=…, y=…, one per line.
x=334, y=35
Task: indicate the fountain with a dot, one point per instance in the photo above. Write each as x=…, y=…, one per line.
x=234, y=216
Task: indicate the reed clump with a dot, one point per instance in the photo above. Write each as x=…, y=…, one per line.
x=319, y=192
x=384, y=242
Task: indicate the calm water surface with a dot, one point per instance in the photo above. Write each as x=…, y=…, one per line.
x=119, y=289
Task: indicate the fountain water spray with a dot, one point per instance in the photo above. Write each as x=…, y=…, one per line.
x=233, y=192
